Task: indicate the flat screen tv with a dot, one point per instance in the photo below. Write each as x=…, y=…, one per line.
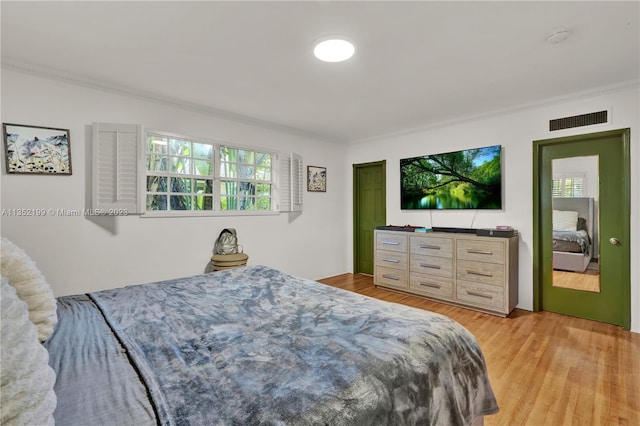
x=468, y=179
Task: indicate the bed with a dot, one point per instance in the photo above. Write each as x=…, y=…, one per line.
x=256, y=346
x=573, y=233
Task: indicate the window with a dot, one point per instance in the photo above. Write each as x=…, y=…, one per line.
x=180, y=174
x=185, y=174
x=246, y=179
x=163, y=174
x=568, y=186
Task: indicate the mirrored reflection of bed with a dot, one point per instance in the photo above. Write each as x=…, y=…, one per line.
x=573, y=233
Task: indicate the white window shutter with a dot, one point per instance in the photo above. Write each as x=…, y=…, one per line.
x=291, y=183
x=118, y=168
x=297, y=182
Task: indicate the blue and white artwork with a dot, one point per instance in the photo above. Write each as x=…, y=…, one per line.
x=38, y=150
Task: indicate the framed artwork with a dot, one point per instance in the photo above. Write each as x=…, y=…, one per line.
x=316, y=179
x=37, y=150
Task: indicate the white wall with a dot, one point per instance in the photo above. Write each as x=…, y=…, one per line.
x=77, y=255
x=579, y=166
x=515, y=131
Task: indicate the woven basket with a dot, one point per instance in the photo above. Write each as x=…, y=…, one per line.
x=221, y=262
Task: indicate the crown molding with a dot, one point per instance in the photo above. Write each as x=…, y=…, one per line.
x=10, y=64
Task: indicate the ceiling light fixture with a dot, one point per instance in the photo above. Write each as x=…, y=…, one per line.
x=333, y=49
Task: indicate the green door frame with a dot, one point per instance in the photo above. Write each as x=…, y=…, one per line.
x=542, y=202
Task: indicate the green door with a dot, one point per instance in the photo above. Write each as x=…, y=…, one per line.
x=369, y=211
x=611, y=302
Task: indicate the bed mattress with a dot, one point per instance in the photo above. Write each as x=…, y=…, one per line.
x=257, y=346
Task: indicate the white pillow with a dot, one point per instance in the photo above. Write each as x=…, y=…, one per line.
x=565, y=220
x=26, y=382
x=31, y=287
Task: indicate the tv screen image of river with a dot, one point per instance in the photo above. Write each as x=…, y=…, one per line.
x=466, y=179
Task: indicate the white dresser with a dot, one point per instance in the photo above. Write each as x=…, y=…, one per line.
x=480, y=273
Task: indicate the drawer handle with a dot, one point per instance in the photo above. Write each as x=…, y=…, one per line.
x=390, y=243
x=473, y=293
x=391, y=277
x=482, y=274
x=429, y=246
x=388, y=259
x=472, y=251
x=430, y=285
x=426, y=265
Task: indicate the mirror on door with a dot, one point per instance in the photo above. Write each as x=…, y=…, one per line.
x=575, y=223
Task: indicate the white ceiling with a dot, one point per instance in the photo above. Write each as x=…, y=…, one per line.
x=417, y=64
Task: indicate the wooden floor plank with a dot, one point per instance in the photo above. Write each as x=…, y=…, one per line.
x=545, y=368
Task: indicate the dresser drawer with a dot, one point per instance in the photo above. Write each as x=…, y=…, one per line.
x=430, y=285
x=391, y=259
x=391, y=241
x=432, y=246
x=481, y=250
x=461, y=269
x=432, y=265
x=480, y=295
x=480, y=272
x=391, y=277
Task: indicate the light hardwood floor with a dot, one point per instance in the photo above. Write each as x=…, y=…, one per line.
x=586, y=281
x=545, y=368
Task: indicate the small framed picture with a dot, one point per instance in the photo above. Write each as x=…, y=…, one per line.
x=37, y=150
x=316, y=179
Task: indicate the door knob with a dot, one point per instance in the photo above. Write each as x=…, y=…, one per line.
x=614, y=241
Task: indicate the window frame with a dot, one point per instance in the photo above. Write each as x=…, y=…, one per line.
x=216, y=177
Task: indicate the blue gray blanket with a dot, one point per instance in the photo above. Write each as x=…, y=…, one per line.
x=254, y=346
x=580, y=237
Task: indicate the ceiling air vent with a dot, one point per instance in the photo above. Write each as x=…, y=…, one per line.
x=578, y=120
